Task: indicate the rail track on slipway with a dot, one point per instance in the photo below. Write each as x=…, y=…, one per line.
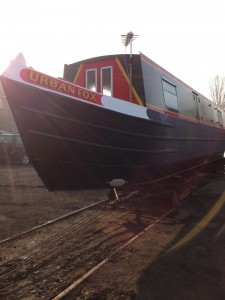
x=50, y=261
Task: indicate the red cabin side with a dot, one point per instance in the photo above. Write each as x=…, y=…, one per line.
x=119, y=80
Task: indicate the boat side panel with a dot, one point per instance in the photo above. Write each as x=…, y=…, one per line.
x=74, y=144
x=190, y=103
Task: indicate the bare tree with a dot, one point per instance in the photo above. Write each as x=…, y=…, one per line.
x=217, y=90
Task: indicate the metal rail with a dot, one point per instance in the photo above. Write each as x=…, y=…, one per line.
x=52, y=221
x=79, y=281
x=63, y=238
x=104, y=261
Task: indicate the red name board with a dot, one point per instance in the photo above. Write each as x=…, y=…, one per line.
x=60, y=86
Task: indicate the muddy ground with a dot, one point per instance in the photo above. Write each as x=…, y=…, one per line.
x=25, y=202
x=180, y=258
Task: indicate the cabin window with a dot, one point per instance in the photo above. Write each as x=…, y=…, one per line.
x=91, y=80
x=106, y=81
x=220, y=118
x=170, y=95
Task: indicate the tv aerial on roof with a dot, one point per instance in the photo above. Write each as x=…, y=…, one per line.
x=128, y=38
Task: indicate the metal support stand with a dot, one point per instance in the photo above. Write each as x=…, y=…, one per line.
x=115, y=183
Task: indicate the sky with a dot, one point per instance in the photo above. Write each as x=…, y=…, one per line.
x=186, y=37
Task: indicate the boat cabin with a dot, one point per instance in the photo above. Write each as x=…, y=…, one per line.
x=109, y=75
x=141, y=81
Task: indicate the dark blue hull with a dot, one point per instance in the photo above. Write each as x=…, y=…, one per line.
x=76, y=145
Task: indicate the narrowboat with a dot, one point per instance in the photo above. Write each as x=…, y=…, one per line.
x=111, y=117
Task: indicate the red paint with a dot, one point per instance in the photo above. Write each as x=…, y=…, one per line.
x=60, y=86
x=120, y=84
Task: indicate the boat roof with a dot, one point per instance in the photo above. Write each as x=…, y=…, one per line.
x=103, y=57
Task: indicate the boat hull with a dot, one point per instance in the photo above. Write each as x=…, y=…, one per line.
x=74, y=144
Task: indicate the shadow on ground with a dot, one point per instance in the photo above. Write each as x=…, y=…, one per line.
x=194, y=269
